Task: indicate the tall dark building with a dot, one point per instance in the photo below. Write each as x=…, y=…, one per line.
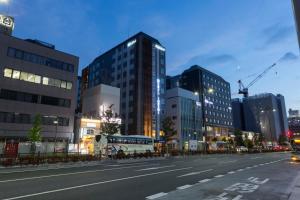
x=214, y=94
x=238, y=114
x=136, y=66
x=296, y=6
x=263, y=113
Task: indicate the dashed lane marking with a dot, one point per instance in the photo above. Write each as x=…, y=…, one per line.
x=183, y=187
x=194, y=173
x=96, y=183
x=155, y=196
x=232, y=172
x=204, y=180
x=154, y=168
x=219, y=176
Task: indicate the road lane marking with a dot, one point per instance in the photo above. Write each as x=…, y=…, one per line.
x=194, y=173
x=96, y=183
x=82, y=165
x=183, y=187
x=248, y=167
x=238, y=197
x=255, y=158
x=154, y=168
x=219, y=176
x=155, y=196
x=204, y=180
x=230, y=161
x=232, y=172
x=240, y=170
x=71, y=173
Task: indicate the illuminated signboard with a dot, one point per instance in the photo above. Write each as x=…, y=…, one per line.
x=159, y=47
x=7, y=21
x=129, y=44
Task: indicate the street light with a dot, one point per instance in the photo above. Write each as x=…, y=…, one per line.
x=4, y=1
x=56, y=124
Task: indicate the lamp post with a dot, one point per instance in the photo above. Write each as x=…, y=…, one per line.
x=56, y=124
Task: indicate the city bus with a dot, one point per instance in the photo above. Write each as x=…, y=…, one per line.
x=128, y=144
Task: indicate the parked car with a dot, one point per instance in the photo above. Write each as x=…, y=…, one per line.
x=241, y=149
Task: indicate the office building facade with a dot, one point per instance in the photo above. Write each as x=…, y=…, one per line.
x=136, y=66
x=184, y=108
x=294, y=123
x=296, y=8
x=215, y=96
x=35, y=78
x=263, y=113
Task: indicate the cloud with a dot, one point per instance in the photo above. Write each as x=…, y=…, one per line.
x=276, y=33
x=289, y=56
x=213, y=60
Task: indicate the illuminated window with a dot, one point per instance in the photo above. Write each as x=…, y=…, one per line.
x=7, y=72
x=24, y=76
x=63, y=84
x=45, y=81
x=16, y=74
x=37, y=79
x=30, y=78
x=69, y=85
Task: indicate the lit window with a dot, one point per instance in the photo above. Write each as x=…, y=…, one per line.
x=45, y=81
x=69, y=85
x=30, y=77
x=57, y=82
x=24, y=76
x=16, y=74
x=7, y=72
x=63, y=84
x=37, y=79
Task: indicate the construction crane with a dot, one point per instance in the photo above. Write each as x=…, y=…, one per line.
x=244, y=90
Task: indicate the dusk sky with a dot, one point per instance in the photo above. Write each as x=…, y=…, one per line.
x=236, y=39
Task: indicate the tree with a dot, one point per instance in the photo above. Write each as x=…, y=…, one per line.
x=282, y=139
x=224, y=139
x=238, y=137
x=168, y=128
x=108, y=125
x=34, y=134
x=248, y=143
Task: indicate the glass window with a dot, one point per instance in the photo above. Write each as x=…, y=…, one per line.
x=11, y=52
x=24, y=76
x=57, y=83
x=7, y=72
x=37, y=79
x=16, y=74
x=69, y=85
x=30, y=77
x=45, y=81
x=63, y=84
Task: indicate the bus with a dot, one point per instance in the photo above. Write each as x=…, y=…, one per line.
x=128, y=144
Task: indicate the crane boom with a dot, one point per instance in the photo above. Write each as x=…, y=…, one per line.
x=244, y=90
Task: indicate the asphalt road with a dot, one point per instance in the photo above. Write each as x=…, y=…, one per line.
x=211, y=177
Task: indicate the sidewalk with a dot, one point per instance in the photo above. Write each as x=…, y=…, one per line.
x=295, y=195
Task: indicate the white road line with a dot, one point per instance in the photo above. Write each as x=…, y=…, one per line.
x=71, y=173
x=219, y=176
x=232, y=172
x=194, y=173
x=93, y=184
x=154, y=168
x=248, y=167
x=240, y=170
x=230, y=161
x=183, y=187
x=255, y=165
x=238, y=197
x=155, y=196
x=68, y=167
x=204, y=180
x=255, y=158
